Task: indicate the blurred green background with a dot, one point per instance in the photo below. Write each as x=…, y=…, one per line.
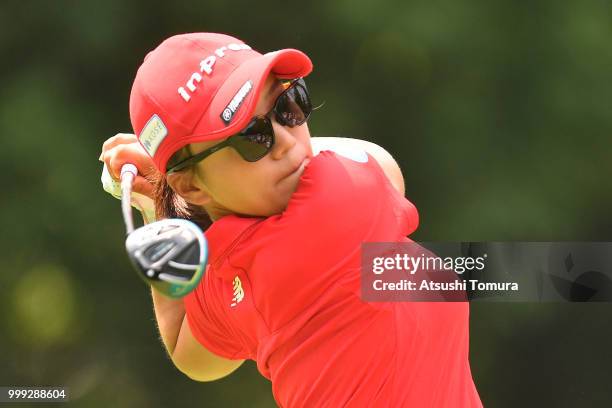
x=499, y=113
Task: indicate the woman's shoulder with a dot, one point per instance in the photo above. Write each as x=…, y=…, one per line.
x=358, y=150
x=343, y=146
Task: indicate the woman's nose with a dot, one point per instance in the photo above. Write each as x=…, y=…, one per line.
x=283, y=141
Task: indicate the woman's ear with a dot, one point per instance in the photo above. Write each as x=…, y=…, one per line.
x=186, y=185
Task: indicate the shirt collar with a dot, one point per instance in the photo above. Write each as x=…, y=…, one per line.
x=224, y=233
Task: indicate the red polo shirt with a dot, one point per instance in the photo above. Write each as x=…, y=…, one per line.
x=285, y=291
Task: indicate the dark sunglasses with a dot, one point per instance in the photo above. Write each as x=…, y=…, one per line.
x=292, y=108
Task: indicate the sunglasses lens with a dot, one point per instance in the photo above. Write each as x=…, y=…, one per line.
x=293, y=107
x=255, y=141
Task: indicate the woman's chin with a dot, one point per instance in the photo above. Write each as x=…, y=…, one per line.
x=278, y=204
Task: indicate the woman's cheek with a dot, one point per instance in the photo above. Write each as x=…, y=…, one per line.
x=274, y=202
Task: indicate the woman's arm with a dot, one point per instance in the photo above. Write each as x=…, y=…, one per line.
x=196, y=362
x=187, y=354
x=383, y=157
x=169, y=314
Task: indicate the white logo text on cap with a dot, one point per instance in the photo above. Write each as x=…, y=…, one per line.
x=206, y=67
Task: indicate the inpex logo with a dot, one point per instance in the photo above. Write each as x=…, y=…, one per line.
x=206, y=67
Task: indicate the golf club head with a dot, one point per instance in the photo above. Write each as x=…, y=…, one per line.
x=170, y=255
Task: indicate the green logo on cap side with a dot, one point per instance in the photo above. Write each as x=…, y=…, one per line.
x=153, y=134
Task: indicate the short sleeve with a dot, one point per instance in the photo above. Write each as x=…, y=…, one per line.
x=207, y=320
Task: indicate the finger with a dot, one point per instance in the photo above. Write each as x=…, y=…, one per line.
x=147, y=169
x=119, y=155
x=109, y=158
x=119, y=138
x=143, y=186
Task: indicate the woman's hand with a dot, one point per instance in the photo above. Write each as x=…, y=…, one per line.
x=124, y=148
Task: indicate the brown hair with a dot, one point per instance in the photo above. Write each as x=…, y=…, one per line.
x=168, y=204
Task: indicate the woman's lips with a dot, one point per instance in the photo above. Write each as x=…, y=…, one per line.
x=298, y=169
x=302, y=165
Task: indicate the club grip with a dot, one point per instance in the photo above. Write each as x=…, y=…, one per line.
x=128, y=173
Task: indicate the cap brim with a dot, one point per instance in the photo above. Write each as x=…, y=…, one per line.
x=287, y=64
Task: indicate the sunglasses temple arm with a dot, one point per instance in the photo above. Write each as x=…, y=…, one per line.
x=128, y=173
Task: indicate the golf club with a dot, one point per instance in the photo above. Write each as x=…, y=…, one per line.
x=170, y=254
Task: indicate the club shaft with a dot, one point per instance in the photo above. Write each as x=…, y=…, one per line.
x=128, y=173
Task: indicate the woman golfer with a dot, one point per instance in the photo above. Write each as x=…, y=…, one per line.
x=223, y=128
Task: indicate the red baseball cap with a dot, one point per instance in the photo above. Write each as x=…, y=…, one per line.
x=202, y=86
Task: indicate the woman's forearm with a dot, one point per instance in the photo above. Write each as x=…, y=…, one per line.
x=169, y=314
